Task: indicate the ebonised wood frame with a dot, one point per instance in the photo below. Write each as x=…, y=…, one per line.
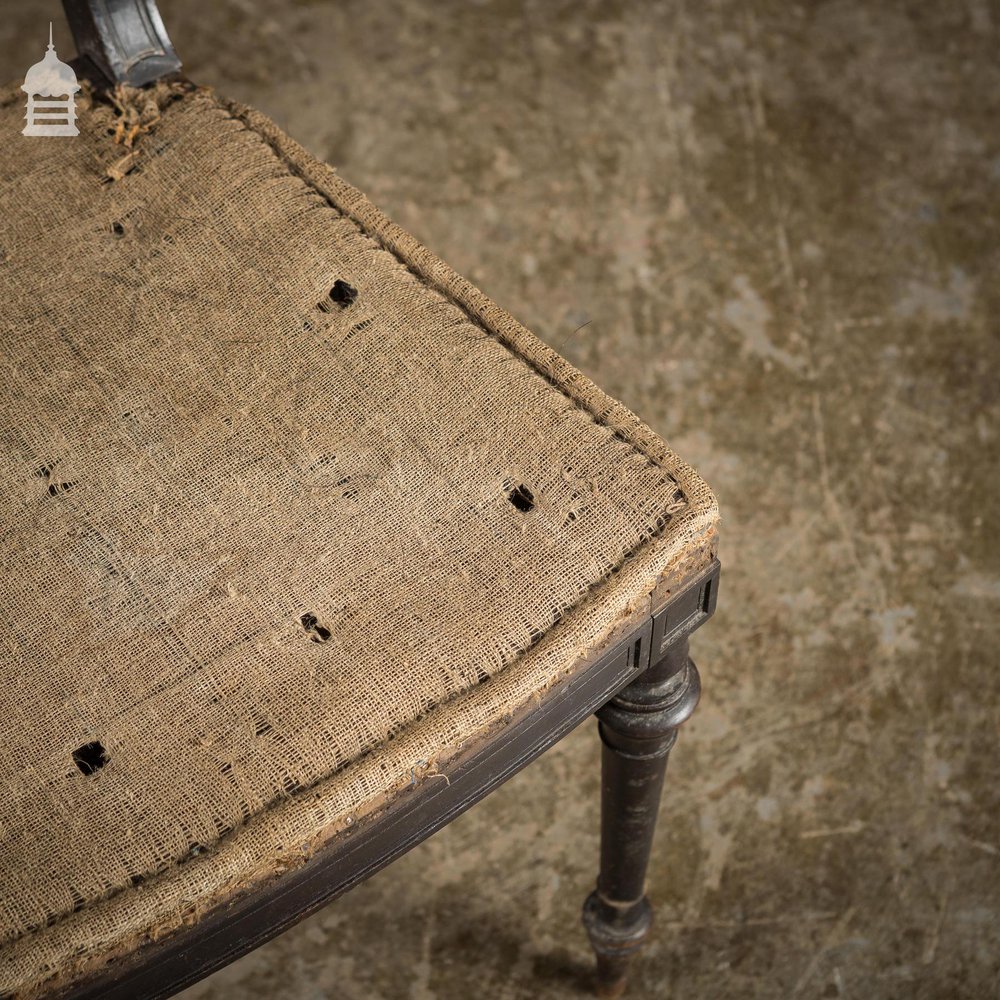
x=644, y=705
x=121, y=41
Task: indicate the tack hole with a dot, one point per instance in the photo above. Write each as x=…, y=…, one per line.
x=90, y=757
x=343, y=294
x=310, y=623
x=522, y=498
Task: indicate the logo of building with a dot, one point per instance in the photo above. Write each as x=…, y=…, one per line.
x=50, y=86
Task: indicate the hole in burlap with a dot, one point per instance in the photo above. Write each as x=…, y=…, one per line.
x=522, y=498
x=90, y=757
x=343, y=294
x=54, y=487
x=311, y=624
x=118, y=229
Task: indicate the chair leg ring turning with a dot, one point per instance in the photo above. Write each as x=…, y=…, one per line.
x=638, y=728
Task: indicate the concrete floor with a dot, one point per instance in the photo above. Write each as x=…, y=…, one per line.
x=772, y=229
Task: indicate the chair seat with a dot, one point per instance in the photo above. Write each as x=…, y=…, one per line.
x=289, y=511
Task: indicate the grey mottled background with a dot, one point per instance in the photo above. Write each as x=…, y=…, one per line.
x=772, y=229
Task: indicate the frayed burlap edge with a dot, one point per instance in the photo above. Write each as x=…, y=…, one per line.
x=285, y=836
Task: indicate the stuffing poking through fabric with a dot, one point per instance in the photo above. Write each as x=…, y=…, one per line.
x=138, y=111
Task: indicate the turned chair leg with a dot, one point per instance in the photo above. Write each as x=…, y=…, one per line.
x=638, y=728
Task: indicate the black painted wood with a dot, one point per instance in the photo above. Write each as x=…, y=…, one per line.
x=638, y=729
x=124, y=39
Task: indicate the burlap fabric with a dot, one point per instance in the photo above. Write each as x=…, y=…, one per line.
x=288, y=512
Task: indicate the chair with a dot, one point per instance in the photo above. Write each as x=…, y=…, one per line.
x=306, y=545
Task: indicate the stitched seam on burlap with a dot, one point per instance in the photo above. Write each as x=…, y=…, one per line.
x=293, y=169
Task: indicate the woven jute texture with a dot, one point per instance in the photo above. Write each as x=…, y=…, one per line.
x=289, y=511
